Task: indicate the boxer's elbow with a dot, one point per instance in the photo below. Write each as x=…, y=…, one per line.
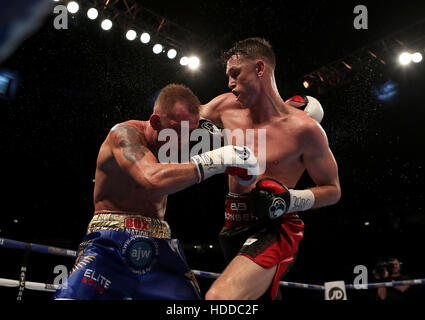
x=336, y=193
x=327, y=195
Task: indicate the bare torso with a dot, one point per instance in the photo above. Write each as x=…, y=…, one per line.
x=284, y=139
x=117, y=191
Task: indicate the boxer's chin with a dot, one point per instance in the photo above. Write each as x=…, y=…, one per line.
x=245, y=103
x=242, y=104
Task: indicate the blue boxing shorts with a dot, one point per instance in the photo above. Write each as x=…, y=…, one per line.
x=128, y=257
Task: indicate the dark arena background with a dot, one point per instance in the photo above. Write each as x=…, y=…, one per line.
x=62, y=90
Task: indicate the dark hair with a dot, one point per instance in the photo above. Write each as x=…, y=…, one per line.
x=253, y=48
x=173, y=93
x=394, y=259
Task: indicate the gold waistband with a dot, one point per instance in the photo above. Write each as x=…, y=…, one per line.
x=133, y=224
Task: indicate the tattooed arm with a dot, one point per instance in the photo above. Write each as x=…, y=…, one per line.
x=160, y=179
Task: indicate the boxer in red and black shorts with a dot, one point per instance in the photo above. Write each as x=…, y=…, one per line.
x=287, y=142
x=266, y=244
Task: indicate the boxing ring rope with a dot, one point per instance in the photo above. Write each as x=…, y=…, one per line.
x=13, y=244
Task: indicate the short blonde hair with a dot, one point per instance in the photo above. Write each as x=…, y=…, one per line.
x=173, y=93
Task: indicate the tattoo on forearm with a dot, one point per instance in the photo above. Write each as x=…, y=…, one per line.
x=131, y=143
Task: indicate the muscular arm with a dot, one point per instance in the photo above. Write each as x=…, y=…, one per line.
x=321, y=166
x=212, y=110
x=135, y=159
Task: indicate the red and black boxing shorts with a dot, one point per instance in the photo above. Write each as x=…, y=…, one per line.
x=267, y=245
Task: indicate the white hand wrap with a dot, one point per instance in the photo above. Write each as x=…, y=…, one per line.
x=301, y=200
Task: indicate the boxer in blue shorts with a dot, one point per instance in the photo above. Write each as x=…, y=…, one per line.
x=128, y=252
x=135, y=259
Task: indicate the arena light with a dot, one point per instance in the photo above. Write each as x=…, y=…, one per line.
x=73, y=7
x=416, y=57
x=145, y=37
x=157, y=48
x=92, y=13
x=405, y=58
x=106, y=24
x=184, y=61
x=131, y=35
x=193, y=63
x=172, y=53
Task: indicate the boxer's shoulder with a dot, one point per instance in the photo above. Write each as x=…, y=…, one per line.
x=139, y=125
x=215, y=110
x=128, y=131
x=300, y=125
x=222, y=102
x=303, y=122
x=228, y=100
x=311, y=132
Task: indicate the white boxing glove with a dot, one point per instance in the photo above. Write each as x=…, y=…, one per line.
x=234, y=160
x=310, y=105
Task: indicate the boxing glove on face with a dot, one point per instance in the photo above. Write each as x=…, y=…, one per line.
x=206, y=137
